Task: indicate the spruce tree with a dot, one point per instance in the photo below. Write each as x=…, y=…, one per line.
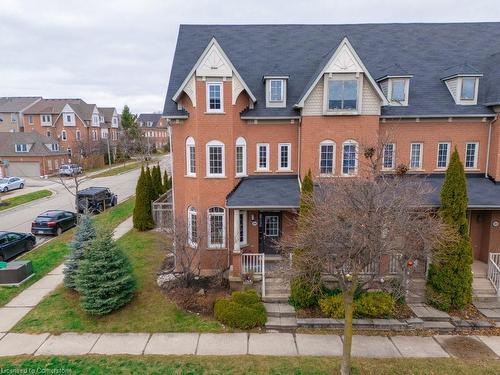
x=105, y=280
x=306, y=194
x=143, y=218
x=153, y=193
x=157, y=179
x=167, y=182
x=450, y=278
x=85, y=232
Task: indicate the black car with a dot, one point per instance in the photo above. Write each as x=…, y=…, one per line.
x=13, y=243
x=95, y=200
x=53, y=222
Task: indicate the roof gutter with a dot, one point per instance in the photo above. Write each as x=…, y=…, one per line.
x=270, y=117
x=436, y=116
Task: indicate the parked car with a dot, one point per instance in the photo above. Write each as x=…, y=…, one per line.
x=70, y=169
x=95, y=199
x=11, y=183
x=53, y=222
x=13, y=243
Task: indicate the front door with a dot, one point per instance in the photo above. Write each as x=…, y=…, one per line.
x=269, y=232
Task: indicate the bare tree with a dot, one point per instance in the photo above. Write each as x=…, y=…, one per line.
x=354, y=223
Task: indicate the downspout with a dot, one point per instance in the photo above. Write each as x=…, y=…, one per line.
x=173, y=184
x=488, y=147
x=299, y=151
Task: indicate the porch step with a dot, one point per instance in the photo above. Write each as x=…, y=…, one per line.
x=278, y=310
x=281, y=323
x=276, y=298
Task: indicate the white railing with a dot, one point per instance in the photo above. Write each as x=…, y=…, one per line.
x=494, y=270
x=254, y=263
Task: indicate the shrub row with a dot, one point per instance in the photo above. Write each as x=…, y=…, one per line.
x=368, y=305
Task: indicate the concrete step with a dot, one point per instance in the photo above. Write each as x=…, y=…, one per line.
x=485, y=291
x=279, y=310
x=485, y=297
x=275, y=298
x=277, y=290
x=281, y=324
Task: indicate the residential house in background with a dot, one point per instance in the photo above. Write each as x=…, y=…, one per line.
x=29, y=154
x=154, y=129
x=110, y=127
x=11, y=112
x=253, y=108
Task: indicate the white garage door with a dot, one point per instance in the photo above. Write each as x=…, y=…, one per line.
x=24, y=169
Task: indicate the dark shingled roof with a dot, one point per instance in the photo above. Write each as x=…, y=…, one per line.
x=265, y=192
x=300, y=51
x=9, y=140
x=16, y=104
x=461, y=69
x=153, y=117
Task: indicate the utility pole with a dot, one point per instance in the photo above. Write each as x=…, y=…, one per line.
x=109, y=153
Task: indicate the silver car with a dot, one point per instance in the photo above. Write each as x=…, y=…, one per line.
x=11, y=183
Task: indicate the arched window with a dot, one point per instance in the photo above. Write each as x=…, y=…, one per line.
x=215, y=159
x=241, y=157
x=349, y=158
x=216, y=228
x=327, y=158
x=192, y=227
x=190, y=157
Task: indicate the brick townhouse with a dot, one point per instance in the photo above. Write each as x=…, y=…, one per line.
x=110, y=127
x=253, y=108
x=12, y=111
x=154, y=130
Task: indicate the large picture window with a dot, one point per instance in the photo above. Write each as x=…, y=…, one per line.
x=215, y=159
x=342, y=94
x=326, y=158
x=216, y=227
x=190, y=157
x=241, y=157
x=349, y=158
x=214, y=97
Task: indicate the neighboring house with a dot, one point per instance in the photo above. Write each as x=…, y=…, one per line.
x=75, y=124
x=11, y=112
x=110, y=127
x=154, y=129
x=30, y=154
x=253, y=108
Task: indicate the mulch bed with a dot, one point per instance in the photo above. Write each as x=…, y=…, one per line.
x=468, y=313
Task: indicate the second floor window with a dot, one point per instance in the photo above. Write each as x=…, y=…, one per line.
x=46, y=120
x=21, y=147
x=190, y=157
x=215, y=159
x=443, y=154
x=262, y=157
x=342, y=94
x=471, y=155
x=214, y=97
x=241, y=157
x=416, y=150
x=349, y=158
x=13, y=118
x=94, y=135
x=64, y=136
x=30, y=119
x=388, y=156
x=285, y=162
x=326, y=158
x=78, y=135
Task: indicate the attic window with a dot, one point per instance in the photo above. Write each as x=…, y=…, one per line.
x=398, y=90
x=276, y=90
x=342, y=94
x=21, y=147
x=468, y=88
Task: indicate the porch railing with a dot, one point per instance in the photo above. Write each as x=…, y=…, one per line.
x=494, y=270
x=254, y=263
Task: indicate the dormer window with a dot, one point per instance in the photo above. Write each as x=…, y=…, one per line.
x=462, y=82
x=468, y=88
x=342, y=94
x=398, y=90
x=214, y=97
x=21, y=147
x=275, y=91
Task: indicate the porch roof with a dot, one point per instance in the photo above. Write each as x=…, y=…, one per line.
x=265, y=192
x=482, y=192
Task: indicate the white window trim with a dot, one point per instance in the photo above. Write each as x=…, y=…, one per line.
x=69, y=123
x=406, y=91
x=288, y=168
x=458, y=92
x=474, y=79
x=447, y=155
x=78, y=135
x=30, y=119
x=64, y=135
x=476, y=155
x=245, y=230
x=207, y=164
x=281, y=93
x=209, y=242
x=257, y=158
x=420, y=157
x=192, y=242
x=241, y=142
x=20, y=149
x=328, y=142
x=221, y=109
x=342, y=77
x=190, y=142
x=13, y=118
x=346, y=143
x=46, y=120
x=393, y=157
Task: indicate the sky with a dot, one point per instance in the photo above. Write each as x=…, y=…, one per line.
x=117, y=52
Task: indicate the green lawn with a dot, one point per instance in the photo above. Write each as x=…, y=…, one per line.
x=25, y=198
x=96, y=365
x=118, y=170
x=48, y=256
x=149, y=311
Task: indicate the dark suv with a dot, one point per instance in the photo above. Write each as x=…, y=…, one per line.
x=95, y=200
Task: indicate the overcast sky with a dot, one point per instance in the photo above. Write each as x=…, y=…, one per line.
x=116, y=52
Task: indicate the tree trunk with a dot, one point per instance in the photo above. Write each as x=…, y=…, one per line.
x=346, y=353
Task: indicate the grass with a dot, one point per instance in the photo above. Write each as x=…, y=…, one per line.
x=22, y=199
x=48, y=256
x=118, y=170
x=149, y=311
x=242, y=365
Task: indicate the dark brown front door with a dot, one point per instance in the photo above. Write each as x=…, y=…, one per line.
x=269, y=232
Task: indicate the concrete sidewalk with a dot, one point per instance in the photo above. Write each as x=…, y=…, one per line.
x=25, y=301
x=225, y=344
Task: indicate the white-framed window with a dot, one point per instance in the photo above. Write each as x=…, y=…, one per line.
x=95, y=119
x=215, y=159
x=190, y=157
x=68, y=119
x=443, y=155
x=21, y=147
x=468, y=89
x=104, y=133
x=243, y=228
x=471, y=152
x=149, y=124
x=388, y=156
x=327, y=158
x=78, y=135
x=115, y=121
x=262, y=157
x=55, y=146
x=416, y=151
x=13, y=118
x=398, y=88
x=276, y=90
x=216, y=228
x=215, y=97
x=192, y=228
x=46, y=120
x=342, y=94
x=240, y=156
x=284, y=157
x=64, y=136
x=30, y=119
x=349, y=158
x=114, y=134
x=94, y=135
